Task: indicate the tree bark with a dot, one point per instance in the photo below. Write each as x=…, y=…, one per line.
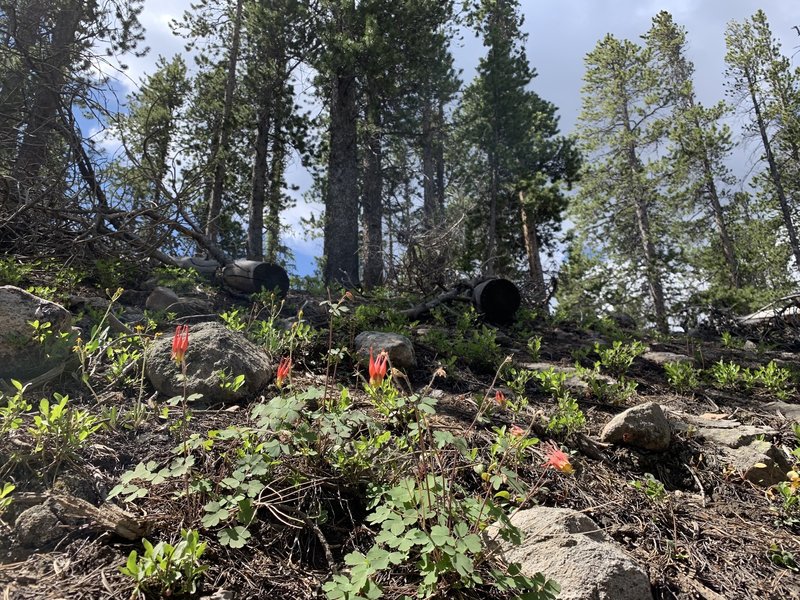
x=340, y=245
x=489, y=256
x=429, y=200
x=50, y=78
x=438, y=151
x=372, y=209
x=652, y=271
x=722, y=228
x=218, y=158
x=532, y=250
x=275, y=194
x=258, y=187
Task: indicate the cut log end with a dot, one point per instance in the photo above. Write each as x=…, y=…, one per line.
x=497, y=299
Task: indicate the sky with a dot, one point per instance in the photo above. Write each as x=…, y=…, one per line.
x=560, y=33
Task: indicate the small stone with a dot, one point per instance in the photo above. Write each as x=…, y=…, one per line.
x=160, y=298
x=662, y=358
x=759, y=462
x=36, y=527
x=733, y=437
x=567, y=546
x=644, y=426
x=398, y=347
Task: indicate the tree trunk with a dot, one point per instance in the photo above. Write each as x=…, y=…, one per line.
x=722, y=228
x=645, y=237
x=218, y=158
x=429, y=201
x=651, y=265
x=50, y=78
x=532, y=250
x=489, y=257
x=774, y=172
x=258, y=187
x=275, y=195
x=340, y=245
x=372, y=209
x=439, y=159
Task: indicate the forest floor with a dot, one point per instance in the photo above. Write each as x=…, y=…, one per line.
x=698, y=527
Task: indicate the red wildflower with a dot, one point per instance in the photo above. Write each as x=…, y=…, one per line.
x=377, y=368
x=557, y=459
x=284, y=369
x=500, y=399
x=180, y=343
x=516, y=431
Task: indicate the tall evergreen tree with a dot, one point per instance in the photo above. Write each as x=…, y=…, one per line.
x=620, y=201
x=700, y=142
x=515, y=157
x=759, y=77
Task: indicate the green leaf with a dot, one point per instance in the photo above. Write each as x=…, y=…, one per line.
x=235, y=537
x=440, y=536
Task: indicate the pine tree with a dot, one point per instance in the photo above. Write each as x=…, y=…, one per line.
x=620, y=201
x=700, y=142
x=515, y=157
x=759, y=77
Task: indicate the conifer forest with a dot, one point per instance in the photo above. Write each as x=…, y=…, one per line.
x=527, y=358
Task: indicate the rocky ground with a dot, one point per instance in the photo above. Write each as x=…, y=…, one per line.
x=677, y=483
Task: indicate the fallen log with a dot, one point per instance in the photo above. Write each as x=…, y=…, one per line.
x=252, y=276
x=206, y=267
x=496, y=298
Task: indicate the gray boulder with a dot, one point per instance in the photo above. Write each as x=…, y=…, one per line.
x=644, y=426
x=399, y=348
x=567, y=546
x=22, y=357
x=212, y=348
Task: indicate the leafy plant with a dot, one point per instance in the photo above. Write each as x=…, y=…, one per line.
x=233, y=320
x=782, y=558
x=650, y=487
x=535, y=347
x=568, y=418
x=15, y=407
x=60, y=430
x=731, y=342
x=604, y=389
x=774, y=378
x=5, y=496
x=470, y=342
x=178, y=279
x=13, y=272
x=428, y=523
x=726, y=375
x=682, y=376
x=618, y=358
x=229, y=382
x=165, y=570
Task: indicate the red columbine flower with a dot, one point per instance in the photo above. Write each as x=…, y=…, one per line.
x=180, y=343
x=377, y=368
x=516, y=431
x=284, y=369
x=557, y=459
x=500, y=399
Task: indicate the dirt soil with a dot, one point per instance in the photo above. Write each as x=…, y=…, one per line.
x=714, y=535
